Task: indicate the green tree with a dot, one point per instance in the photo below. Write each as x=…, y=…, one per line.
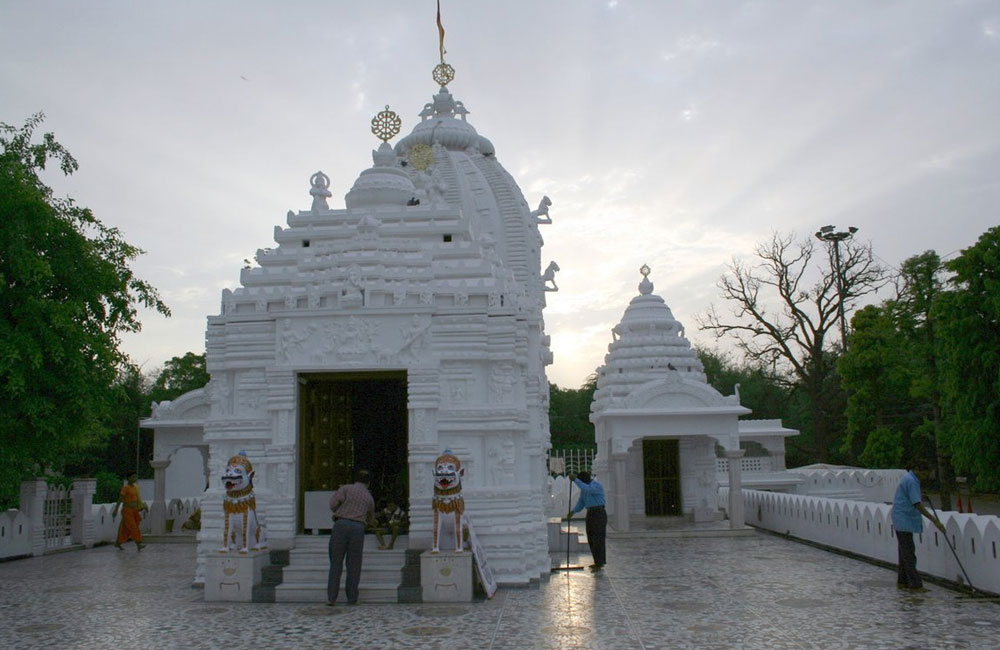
x=883, y=448
x=66, y=294
x=891, y=372
x=877, y=371
x=766, y=395
x=569, y=415
x=783, y=320
x=968, y=323
x=179, y=375
x=922, y=288
x=124, y=448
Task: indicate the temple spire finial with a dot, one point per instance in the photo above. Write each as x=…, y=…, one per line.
x=645, y=286
x=443, y=73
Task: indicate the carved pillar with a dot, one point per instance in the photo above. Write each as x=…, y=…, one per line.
x=82, y=522
x=735, y=487
x=618, y=462
x=158, y=508
x=32, y=504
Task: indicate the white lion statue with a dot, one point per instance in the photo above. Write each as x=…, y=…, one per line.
x=243, y=529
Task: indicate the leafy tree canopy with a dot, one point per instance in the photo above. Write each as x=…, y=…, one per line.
x=569, y=415
x=180, y=375
x=968, y=319
x=66, y=295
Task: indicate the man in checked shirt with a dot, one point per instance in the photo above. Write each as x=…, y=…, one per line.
x=352, y=506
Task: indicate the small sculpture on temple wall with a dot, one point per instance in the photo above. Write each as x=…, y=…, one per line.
x=241, y=527
x=549, y=277
x=436, y=188
x=353, y=293
x=541, y=215
x=320, y=192
x=448, y=502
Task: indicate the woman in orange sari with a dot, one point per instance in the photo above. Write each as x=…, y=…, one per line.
x=131, y=504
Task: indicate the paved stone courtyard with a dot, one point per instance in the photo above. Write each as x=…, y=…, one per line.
x=739, y=592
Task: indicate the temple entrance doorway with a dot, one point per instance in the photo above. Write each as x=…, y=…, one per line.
x=349, y=419
x=661, y=469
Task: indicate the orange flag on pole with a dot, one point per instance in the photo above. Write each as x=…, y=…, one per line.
x=440, y=31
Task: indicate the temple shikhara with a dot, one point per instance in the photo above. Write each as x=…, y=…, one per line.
x=381, y=333
x=409, y=322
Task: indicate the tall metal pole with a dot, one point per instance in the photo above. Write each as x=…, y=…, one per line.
x=138, y=439
x=830, y=234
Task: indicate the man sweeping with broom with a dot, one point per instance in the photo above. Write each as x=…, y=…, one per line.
x=907, y=518
x=592, y=498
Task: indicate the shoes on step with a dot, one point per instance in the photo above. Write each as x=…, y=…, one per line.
x=139, y=546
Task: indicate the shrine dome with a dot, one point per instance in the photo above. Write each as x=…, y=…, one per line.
x=648, y=344
x=384, y=184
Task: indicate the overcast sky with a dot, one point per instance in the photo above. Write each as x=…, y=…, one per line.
x=676, y=134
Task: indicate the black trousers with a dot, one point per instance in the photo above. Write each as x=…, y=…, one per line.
x=347, y=541
x=908, y=575
x=597, y=532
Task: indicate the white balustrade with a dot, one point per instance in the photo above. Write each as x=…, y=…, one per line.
x=865, y=528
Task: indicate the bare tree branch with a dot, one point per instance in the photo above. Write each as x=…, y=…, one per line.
x=778, y=319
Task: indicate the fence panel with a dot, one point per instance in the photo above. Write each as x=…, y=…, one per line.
x=57, y=518
x=576, y=460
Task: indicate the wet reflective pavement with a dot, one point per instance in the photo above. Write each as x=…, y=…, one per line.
x=759, y=591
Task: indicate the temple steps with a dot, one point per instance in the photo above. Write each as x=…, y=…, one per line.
x=304, y=578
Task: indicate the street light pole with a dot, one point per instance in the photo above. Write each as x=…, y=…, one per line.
x=829, y=234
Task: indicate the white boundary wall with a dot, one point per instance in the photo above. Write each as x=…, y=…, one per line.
x=865, y=528
x=17, y=530
x=850, y=483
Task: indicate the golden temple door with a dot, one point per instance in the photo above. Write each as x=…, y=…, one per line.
x=349, y=420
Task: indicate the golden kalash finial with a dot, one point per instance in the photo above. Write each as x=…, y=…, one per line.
x=645, y=270
x=386, y=124
x=443, y=73
x=420, y=156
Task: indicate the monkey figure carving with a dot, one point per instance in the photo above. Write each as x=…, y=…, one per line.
x=448, y=499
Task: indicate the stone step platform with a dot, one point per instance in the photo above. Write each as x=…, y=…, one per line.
x=557, y=536
x=304, y=578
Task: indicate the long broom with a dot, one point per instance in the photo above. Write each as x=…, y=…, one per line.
x=976, y=594
x=569, y=516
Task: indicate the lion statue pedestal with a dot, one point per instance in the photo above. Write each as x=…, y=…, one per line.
x=232, y=577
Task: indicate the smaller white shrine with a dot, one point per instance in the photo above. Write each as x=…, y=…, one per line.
x=658, y=423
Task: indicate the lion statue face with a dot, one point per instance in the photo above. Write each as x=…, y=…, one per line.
x=448, y=473
x=239, y=474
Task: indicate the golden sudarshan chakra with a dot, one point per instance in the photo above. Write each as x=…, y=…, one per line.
x=386, y=124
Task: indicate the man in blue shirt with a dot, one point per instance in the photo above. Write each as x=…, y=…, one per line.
x=592, y=498
x=907, y=518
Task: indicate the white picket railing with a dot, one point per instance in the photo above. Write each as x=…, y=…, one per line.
x=865, y=528
x=66, y=519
